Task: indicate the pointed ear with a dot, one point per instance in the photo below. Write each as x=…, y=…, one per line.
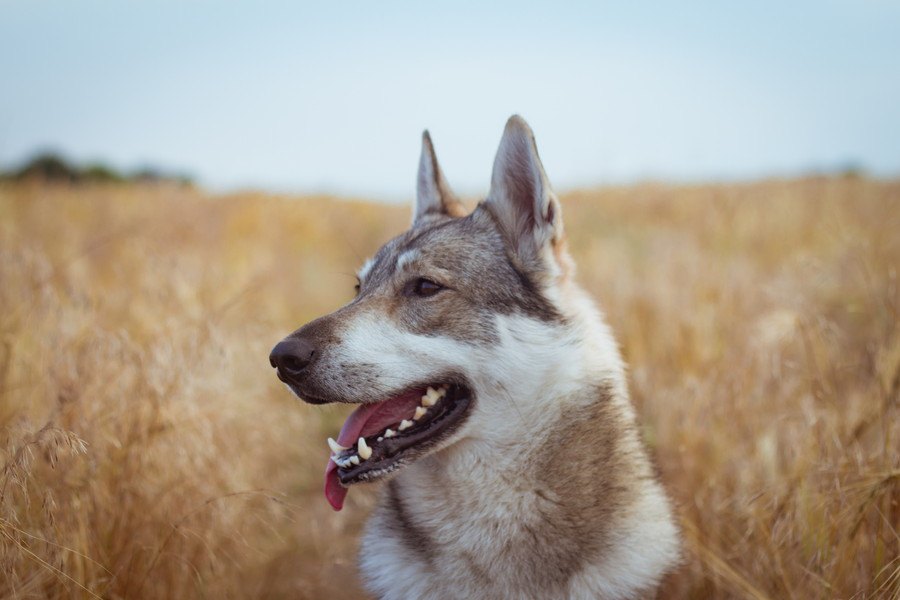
x=433, y=194
x=520, y=196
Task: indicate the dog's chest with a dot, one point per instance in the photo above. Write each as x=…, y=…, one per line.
x=481, y=537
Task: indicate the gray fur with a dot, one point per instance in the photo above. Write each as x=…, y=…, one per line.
x=546, y=490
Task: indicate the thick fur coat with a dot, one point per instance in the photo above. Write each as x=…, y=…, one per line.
x=544, y=488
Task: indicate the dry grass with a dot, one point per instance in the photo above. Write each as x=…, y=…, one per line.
x=148, y=451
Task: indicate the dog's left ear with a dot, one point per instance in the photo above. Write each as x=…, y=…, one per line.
x=520, y=195
x=433, y=194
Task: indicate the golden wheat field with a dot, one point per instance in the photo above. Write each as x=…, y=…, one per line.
x=148, y=451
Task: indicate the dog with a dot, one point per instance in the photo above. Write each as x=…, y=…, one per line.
x=492, y=402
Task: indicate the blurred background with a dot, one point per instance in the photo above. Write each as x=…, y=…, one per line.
x=312, y=97
x=184, y=183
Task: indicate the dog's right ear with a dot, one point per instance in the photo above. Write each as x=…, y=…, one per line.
x=433, y=194
x=520, y=196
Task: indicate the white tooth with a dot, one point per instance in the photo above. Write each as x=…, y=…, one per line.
x=335, y=447
x=380, y=439
x=364, y=451
x=420, y=412
x=430, y=397
x=404, y=424
x=354, y=459
x=389, y=433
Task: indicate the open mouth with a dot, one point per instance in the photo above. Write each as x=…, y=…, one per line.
x=380, y=437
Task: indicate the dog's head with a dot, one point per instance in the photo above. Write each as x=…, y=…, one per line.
x=454, y=322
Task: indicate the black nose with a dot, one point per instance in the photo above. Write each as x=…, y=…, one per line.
x=292, y=355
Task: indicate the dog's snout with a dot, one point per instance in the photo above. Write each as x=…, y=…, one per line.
x=291, y=356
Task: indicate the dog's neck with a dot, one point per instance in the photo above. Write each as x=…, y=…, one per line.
x=540, y=507
x=548, y=493
x=536, y=371
x=552, y=409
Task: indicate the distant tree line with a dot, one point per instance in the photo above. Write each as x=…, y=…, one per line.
x=51, y=167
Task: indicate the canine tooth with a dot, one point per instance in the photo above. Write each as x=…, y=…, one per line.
x=431, y=396
x=404, y=424
x=380, y=439
x=389, y=433
x=354, y=459
x=420, y=412
x=335, y=447
x=364, y=451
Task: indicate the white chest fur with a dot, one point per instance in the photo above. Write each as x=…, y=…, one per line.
x=469, y=528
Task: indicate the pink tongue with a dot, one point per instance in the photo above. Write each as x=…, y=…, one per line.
x=363, y=422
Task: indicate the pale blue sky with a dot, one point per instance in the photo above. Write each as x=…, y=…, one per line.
x=332, y=97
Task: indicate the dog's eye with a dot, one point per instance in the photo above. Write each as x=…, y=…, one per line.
x=425, y=287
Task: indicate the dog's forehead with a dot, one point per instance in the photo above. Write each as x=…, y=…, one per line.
x=458, y=244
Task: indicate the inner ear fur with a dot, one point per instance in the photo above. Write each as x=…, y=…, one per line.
x=520, y=197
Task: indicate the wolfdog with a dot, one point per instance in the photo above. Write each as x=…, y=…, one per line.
x=493, y=401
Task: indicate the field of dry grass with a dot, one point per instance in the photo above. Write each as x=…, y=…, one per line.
x=147, y=450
